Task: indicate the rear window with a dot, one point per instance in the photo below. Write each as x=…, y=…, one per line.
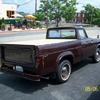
x=62, y=33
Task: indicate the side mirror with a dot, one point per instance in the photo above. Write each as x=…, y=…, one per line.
x=98, y=36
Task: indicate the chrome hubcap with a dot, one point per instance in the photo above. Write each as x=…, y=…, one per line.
x=65, y=71
x=98, y=55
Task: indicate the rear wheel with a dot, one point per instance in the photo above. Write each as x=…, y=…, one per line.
x=96, y=57
x=63, y=71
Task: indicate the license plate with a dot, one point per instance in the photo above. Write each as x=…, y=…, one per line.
x=19, y=68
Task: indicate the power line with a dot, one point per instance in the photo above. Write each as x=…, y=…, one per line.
x=19, y=4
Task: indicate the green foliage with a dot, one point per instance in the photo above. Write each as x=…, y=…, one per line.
x=38, y=25
x=92, y=14
x=17, y=20
x=29, y=25
x=55, y=12
x=2, y=24
x=40, y=16
x=57, y=9
x=96, y=21
x=69, y=9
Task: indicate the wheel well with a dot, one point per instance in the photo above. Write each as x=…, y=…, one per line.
x=69, y=57
x=99, y=46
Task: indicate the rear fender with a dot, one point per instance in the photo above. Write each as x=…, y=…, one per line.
x=64, y=54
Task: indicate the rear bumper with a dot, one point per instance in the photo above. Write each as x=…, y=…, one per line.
x=20, y=74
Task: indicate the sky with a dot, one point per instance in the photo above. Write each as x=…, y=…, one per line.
x=30, y=7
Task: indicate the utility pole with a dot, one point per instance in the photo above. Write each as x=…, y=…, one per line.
x=47, y=13
x=91, y=19
x=57, y=19
x=35, y=6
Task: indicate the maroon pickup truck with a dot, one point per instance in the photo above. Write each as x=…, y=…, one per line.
x=52, y=57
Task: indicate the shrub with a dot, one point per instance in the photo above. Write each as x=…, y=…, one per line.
x=96, y=21
x=3, y=26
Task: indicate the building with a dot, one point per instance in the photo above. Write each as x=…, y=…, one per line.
x=80, y=17
x=7, y=10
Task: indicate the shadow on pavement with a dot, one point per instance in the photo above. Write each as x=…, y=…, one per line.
x=27, y=86
x=82, y=64
x=21, y=84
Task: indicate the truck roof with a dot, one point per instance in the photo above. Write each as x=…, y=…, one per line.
x=72, y=27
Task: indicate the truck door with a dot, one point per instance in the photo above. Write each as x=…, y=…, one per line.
x=87, y=44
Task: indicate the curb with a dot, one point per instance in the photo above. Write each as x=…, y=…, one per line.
x=27, y=30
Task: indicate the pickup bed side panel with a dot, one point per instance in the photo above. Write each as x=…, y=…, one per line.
x=53, y=54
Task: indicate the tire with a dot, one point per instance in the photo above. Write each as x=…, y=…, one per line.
x=96, y=57
x=63, y=71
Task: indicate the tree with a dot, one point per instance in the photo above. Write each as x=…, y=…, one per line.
x=92, y=14
x=57, y=9
x=40, y=16
x=43, y=12
x=89, y=13
x=69, y=9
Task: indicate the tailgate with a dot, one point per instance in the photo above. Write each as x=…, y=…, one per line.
x=18, y=55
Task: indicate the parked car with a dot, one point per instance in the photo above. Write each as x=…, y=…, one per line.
x=52, y=57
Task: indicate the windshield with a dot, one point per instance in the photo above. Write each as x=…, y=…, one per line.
x=62, y=34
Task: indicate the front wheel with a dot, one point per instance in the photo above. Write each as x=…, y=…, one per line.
x=96, y=57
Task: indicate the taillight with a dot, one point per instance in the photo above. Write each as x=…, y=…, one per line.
x=40, y=60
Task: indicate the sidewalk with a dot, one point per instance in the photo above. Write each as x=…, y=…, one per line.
x=20, y=30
